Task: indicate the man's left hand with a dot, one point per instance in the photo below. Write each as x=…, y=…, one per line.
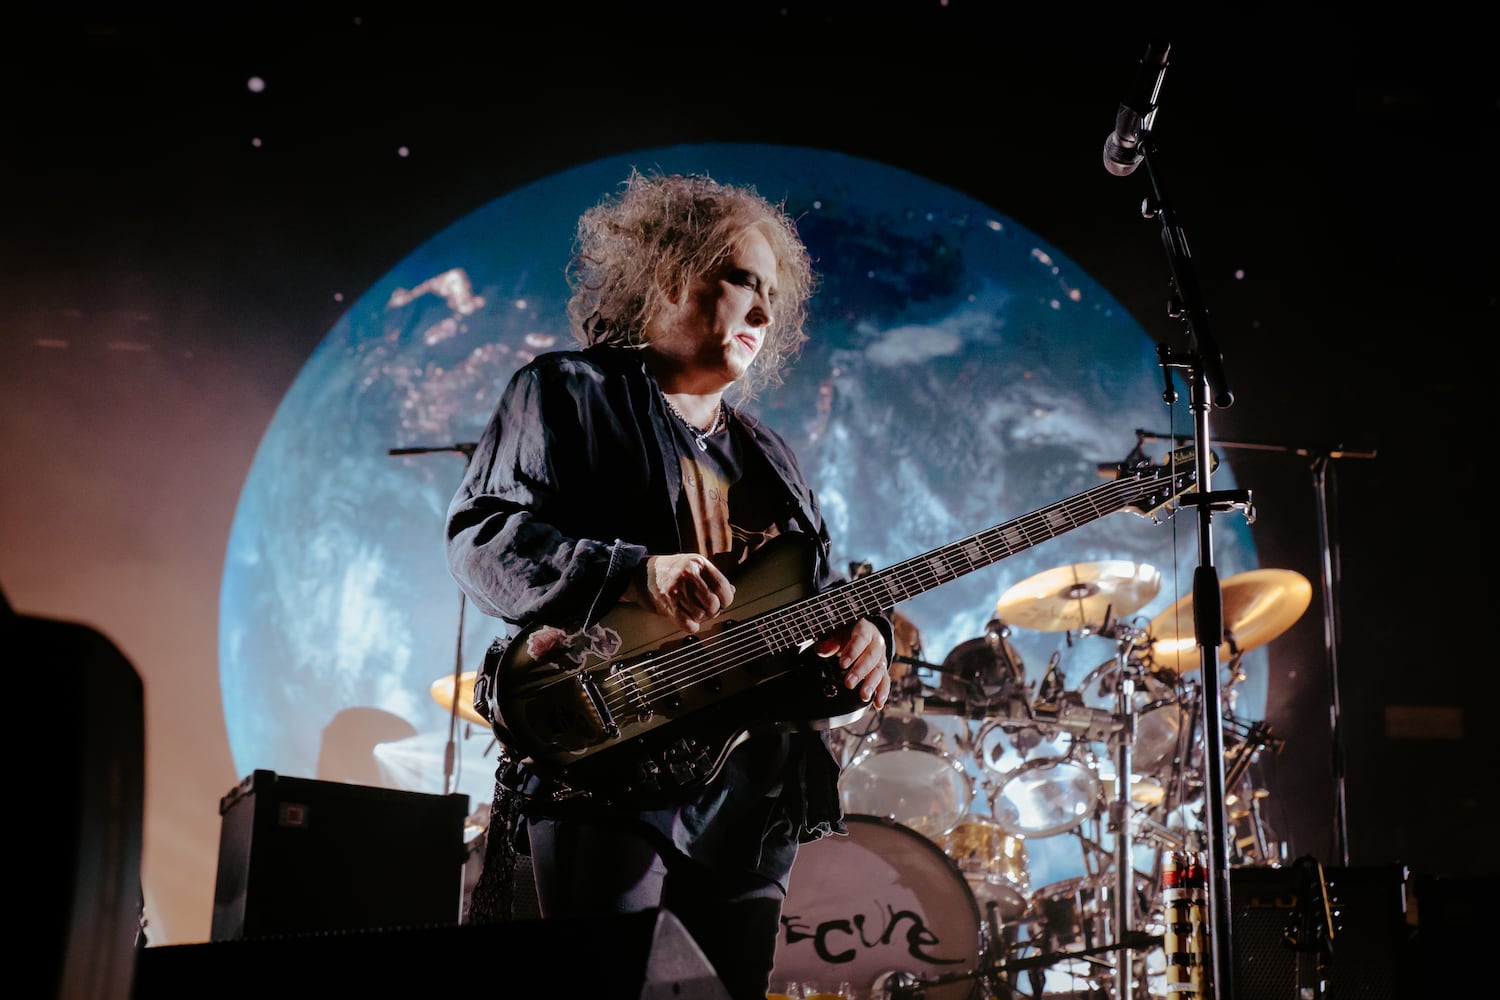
x=860, y=649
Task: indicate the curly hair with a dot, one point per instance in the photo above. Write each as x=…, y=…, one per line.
x=652, y=239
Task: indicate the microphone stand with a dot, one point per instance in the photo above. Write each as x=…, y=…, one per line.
x=1328, y=551
x=1203, y=370
x=450, y=752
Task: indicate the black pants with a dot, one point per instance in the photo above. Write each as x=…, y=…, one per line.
x=587, y=868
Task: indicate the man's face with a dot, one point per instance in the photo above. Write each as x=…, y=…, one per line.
x=717, y=327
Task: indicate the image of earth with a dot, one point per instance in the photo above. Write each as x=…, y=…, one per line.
x=961, y=374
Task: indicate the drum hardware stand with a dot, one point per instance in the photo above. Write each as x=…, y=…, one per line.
x=902, y=985
x=1256, y=739
x=1121, y=810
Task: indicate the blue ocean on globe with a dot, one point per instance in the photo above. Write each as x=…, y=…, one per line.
x=961, y=373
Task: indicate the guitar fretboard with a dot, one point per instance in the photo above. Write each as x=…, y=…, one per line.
x=873, y=593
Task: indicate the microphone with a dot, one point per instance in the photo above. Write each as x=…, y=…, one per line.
x=1122, y=152
x=897, y=984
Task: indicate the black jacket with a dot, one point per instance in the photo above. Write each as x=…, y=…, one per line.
x=572, y=484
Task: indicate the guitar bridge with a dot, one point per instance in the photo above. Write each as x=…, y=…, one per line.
x=630, y=685
x=591, y=689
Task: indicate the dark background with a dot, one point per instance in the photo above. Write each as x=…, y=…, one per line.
x=163, y=278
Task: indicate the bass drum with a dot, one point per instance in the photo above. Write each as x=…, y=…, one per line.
x=883, y=899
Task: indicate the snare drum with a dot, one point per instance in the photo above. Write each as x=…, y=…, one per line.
x=993, y=862
x=883, y=899
x=902, y=773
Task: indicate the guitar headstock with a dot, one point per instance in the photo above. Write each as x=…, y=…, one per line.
x=1175, y=475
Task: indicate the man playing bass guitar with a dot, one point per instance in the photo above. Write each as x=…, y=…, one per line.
x=617, y=503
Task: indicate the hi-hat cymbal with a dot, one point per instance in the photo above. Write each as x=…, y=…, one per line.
x=1258, y=606
x=442, y=693
x=1079, y=596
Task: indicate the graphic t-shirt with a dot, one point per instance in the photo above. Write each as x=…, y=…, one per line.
x=723, y=505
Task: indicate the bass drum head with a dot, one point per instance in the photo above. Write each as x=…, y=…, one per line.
x=883, y=899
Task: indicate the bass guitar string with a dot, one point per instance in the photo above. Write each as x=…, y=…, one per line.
x=804, y=620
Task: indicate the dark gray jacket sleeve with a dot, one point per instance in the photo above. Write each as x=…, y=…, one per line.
x=515, y=527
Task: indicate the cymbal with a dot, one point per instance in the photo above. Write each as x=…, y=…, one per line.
x=1258, y=606
x=442, y=693
x=1078, y=596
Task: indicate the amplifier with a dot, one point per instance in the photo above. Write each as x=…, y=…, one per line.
x=298, y=856
x=1276, y=947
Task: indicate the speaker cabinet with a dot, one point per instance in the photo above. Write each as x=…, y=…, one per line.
x=300, y=856
x=637, y=956
x=88, y=792
x=1369, y=953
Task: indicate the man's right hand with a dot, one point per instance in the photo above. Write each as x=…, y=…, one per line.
x=687, y=588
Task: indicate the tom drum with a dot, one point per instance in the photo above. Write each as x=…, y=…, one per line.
x=1046, y=786
x=903, y=773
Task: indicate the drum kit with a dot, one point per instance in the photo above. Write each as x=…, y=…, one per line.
x=971, y=767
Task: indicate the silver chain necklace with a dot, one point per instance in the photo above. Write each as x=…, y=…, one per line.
x=699, y=435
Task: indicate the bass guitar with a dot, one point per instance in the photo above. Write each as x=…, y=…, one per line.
x=631, y=709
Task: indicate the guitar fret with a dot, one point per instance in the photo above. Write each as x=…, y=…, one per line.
x=943, y=566
x=984, y=555
x=780, y=635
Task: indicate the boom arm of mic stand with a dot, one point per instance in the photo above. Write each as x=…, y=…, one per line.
x=1301, y=449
